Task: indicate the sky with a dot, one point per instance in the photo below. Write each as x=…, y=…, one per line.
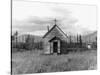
x=29, y=17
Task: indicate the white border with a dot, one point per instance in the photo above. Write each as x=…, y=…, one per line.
x=5, y=24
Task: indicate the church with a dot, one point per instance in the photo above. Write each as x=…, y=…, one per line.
x=55, y=41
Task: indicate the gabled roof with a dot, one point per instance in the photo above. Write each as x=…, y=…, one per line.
x=52, y=29
x=54, y=39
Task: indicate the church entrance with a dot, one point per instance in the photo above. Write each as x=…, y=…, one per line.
x=55, y=47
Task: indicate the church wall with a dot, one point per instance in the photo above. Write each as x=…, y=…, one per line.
x=46, y=46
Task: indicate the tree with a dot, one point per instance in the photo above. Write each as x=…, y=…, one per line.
x=80, y=40
x=77, y=39
x=96, y=39
x=27, y=39
x=16, y=37
x=70, y=39
x=12, y=37
x=77, y=44
x=29, y=43
x=95, y=42
x=41, y=45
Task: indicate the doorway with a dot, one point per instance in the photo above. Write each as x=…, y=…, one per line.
x=55, y=47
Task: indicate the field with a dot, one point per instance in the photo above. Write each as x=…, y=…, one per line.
x=33, y=62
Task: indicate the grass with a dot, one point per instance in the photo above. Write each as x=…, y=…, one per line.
x=32, y=62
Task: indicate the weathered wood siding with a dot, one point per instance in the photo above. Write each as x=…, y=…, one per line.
x=56, y=32
x=46, y=46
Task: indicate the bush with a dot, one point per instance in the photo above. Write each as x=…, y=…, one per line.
x=18, y=45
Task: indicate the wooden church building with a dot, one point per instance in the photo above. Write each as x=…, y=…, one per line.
x=55, y=40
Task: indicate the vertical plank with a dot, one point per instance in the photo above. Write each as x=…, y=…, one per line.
x=58, y=46
x=51, y=47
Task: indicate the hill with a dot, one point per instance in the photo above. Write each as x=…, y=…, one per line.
x=23, y=37
x=91, y=37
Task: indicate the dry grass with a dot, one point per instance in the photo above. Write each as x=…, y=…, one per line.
x=33, y=62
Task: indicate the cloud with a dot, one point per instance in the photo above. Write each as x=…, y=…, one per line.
x=39, y=32
x=65, y=19
x=40, y=20
x=32, y=24
x=68, y=23
x=38, y=25
x=61, y=12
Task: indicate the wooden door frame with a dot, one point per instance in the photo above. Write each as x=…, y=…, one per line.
x=58, y=46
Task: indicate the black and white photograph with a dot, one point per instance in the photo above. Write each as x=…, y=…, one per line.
x=53, y=37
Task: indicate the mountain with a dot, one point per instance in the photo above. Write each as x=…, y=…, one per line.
x=22, y=38
x=91, y=37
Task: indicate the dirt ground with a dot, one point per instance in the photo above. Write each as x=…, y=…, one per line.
x=28, y=62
